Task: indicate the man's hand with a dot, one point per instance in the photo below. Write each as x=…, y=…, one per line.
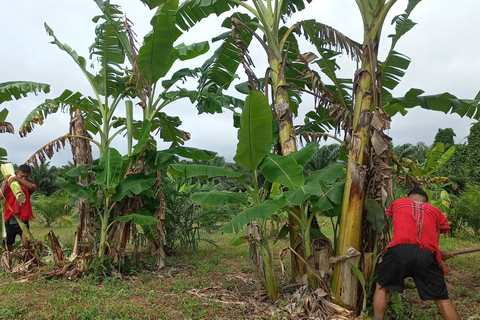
x=9, y=179
x=445, y=254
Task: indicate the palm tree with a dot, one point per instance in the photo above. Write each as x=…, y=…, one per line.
x=45, y=178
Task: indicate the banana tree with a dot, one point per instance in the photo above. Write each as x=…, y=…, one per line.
x=311, y=194
x=108, y=183
x=368, y=122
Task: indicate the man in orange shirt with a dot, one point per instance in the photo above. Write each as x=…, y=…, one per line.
x=414, y=252
x=13, y=208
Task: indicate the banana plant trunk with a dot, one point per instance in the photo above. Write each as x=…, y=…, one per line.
x=287, y=144
x=367, y=98
x=87, y=215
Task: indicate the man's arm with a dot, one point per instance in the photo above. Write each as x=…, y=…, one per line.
x=30, y=186
x=445, y=254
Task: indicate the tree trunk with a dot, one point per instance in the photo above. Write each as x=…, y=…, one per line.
x=87, y=215
x=367, y=99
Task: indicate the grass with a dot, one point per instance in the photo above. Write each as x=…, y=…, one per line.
x=213, y=283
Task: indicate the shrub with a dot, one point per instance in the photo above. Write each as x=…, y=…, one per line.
x=51, y=209
x=467, y=206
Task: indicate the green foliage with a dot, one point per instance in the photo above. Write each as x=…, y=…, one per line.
x=445, y=136
x=52, y=209
x=255, y=133
x=182, y=228
x=45, y=178
x=324, y=156
x=466, y=208
x=18, y=89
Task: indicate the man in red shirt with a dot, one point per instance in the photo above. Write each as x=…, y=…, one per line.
x=13, y=208
x=414, y=252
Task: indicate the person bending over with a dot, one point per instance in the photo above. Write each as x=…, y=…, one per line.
x=414, y=252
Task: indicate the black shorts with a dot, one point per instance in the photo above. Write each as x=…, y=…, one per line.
x=408, y=260
x=13, y=230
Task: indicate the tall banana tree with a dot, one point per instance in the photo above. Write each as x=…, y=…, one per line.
x=286, y=78
x=368, y=170
x=367, y=105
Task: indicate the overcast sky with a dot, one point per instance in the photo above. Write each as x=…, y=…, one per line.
x=443, y=48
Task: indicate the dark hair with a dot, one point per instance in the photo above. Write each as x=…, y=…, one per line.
x=25, y=168
x=419, y=192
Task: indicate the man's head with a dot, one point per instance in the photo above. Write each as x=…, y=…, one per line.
x=418, y=192
x=23, y=172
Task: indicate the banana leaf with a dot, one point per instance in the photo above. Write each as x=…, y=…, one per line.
x=218, y=198
x=154, y=55
x=202, y=171
x=261, y=211
x=283, y=170
x=255, y=133
x=133, y=184
x=108, y=174
x=305, y=154
x=18, y=89
x=375, y=215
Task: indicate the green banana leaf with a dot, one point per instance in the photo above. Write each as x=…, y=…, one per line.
x=133, y=184
x=185, y=52
x=3, y=115
x=445, y=102
x=153, y=3
x=114, y=16
x=193, y=153
x=78, y=191
x=108, y=175
x=283, y=170
x=193, y=11
x=79, y=171
x=110, y=54
x=180, y=75
x=395, y=64
x=261, y=211
x=255, y=133
x=67, y=99
x=3, y=155
x=299, y=195
x=163, y=158
x=202, y=171
x=329, y=174
x=219, y=198
x=144, y=136
x=220, y=68
x=154, y=55
x=341, y=87
x=18, y=89
x=139, y=219
x=305, y=154
x=147, y=223
x=375, y=215
x=330, y=200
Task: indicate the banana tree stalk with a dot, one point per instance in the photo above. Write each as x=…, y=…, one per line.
x=104, y=227
x=366, y=101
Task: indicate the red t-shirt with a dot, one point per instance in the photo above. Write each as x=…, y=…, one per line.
x=417, y=223
x=22, y=210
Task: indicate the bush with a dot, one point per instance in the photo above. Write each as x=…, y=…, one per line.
x=51, y=209
x=467, y=206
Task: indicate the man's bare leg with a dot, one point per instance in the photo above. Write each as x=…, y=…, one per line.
x=447, y=309
x=380, y=302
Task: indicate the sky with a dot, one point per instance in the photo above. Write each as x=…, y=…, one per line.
x=443, y=48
